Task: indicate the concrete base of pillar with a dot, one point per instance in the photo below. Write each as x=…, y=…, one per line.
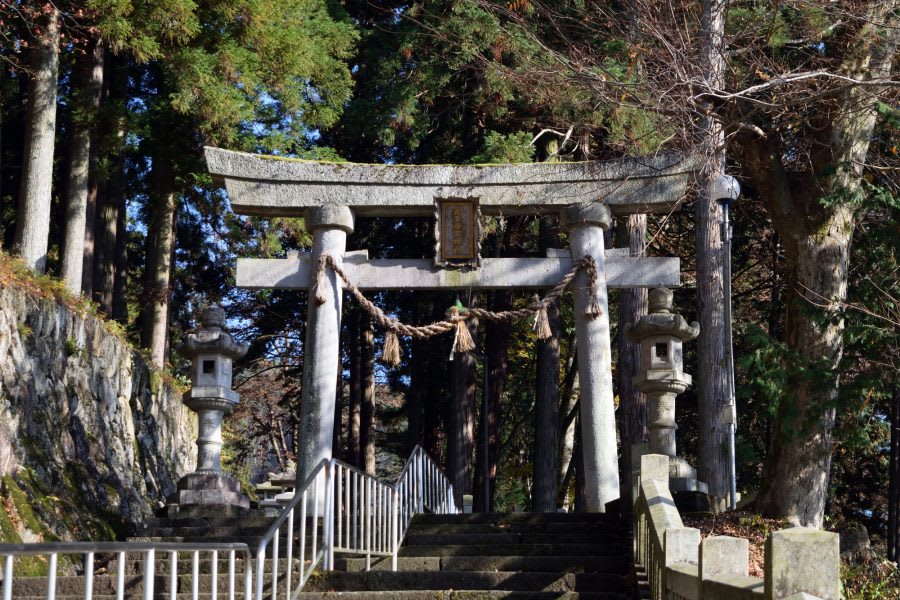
x=207, y=489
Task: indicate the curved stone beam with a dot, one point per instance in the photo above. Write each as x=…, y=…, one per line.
x=274, y=186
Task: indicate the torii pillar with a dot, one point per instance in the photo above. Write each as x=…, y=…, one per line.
x=330, y=226
x=585, y=225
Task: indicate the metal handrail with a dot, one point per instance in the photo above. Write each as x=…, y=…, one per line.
x=360, y=515
x=88, y=550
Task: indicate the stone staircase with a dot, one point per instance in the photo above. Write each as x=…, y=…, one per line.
x=480, y=556
x=515, y=556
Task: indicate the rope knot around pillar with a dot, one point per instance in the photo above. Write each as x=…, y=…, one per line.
x=593, y=308
x=458, y=315
x=321, y=282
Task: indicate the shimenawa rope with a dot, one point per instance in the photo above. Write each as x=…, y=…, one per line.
x=457, y=315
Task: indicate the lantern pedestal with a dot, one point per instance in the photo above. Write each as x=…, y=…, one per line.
x=208, y=488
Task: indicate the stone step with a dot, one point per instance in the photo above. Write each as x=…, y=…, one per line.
x=466, y=580
x=414, y=538
x=517, y=527
x=383, y=595
x=251, y=541
x=459, y=595
x=251, y=537
x=134, y=584
x=560, y=564
x=611, y=549
x=185, y=566
x=529, y=518
x=249, y=521
x=215, y=531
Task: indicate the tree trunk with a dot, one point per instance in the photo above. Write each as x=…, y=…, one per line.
x=893, y=530
x=110, y=201
x=816, y=236
x=436, y=408
x=161, y=249
x=355, y=340
x=461, y=443
x=497, y=338
x=799, y=457
x=712, y=376
x=632, y=234
x=88, y=82
x=120, y=300
x=419, y=375
x=104, y=259
x=33, y=216
x=776, y=310
x=415, y=399
x=367, y=427
x=568, y=408
x=89, y=270
x=546, y=421
x=105, y=229
x=545, y=491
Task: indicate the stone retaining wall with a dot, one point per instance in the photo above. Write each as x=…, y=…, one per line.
x=91, y=440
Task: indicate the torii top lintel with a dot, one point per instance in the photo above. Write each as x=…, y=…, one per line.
x=274, y=186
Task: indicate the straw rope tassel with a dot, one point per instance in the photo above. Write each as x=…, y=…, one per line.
x=542, y=323
x=462, y=341
x=390, y=355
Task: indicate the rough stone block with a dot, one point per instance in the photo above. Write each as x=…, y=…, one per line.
x=854, y=538
x=803, y=560
x=682, y=545
x=722, y=556
x=655, y=467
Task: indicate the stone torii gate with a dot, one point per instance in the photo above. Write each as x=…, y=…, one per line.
x=329, y=195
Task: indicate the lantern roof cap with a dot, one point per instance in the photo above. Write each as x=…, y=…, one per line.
x=662, y=321
x=211, y=337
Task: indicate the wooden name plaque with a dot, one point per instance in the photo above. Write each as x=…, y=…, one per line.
x=457, y=232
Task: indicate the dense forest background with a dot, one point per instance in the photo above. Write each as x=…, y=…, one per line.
x=105, y=107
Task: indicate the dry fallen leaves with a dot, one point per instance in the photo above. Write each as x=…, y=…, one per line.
x=741, y=524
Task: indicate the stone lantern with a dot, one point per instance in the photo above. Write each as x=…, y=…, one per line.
x=661, y=334
x=211, y=350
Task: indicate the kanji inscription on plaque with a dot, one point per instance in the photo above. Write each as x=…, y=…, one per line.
x=457, y=230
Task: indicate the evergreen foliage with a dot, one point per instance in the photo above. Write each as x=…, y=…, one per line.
x=468, y=82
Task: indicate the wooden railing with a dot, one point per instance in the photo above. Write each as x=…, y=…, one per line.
x=800, y=563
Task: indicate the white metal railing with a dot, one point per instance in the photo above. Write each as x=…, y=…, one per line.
x=359, y=515
x=800, y=563
x=152, y=554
